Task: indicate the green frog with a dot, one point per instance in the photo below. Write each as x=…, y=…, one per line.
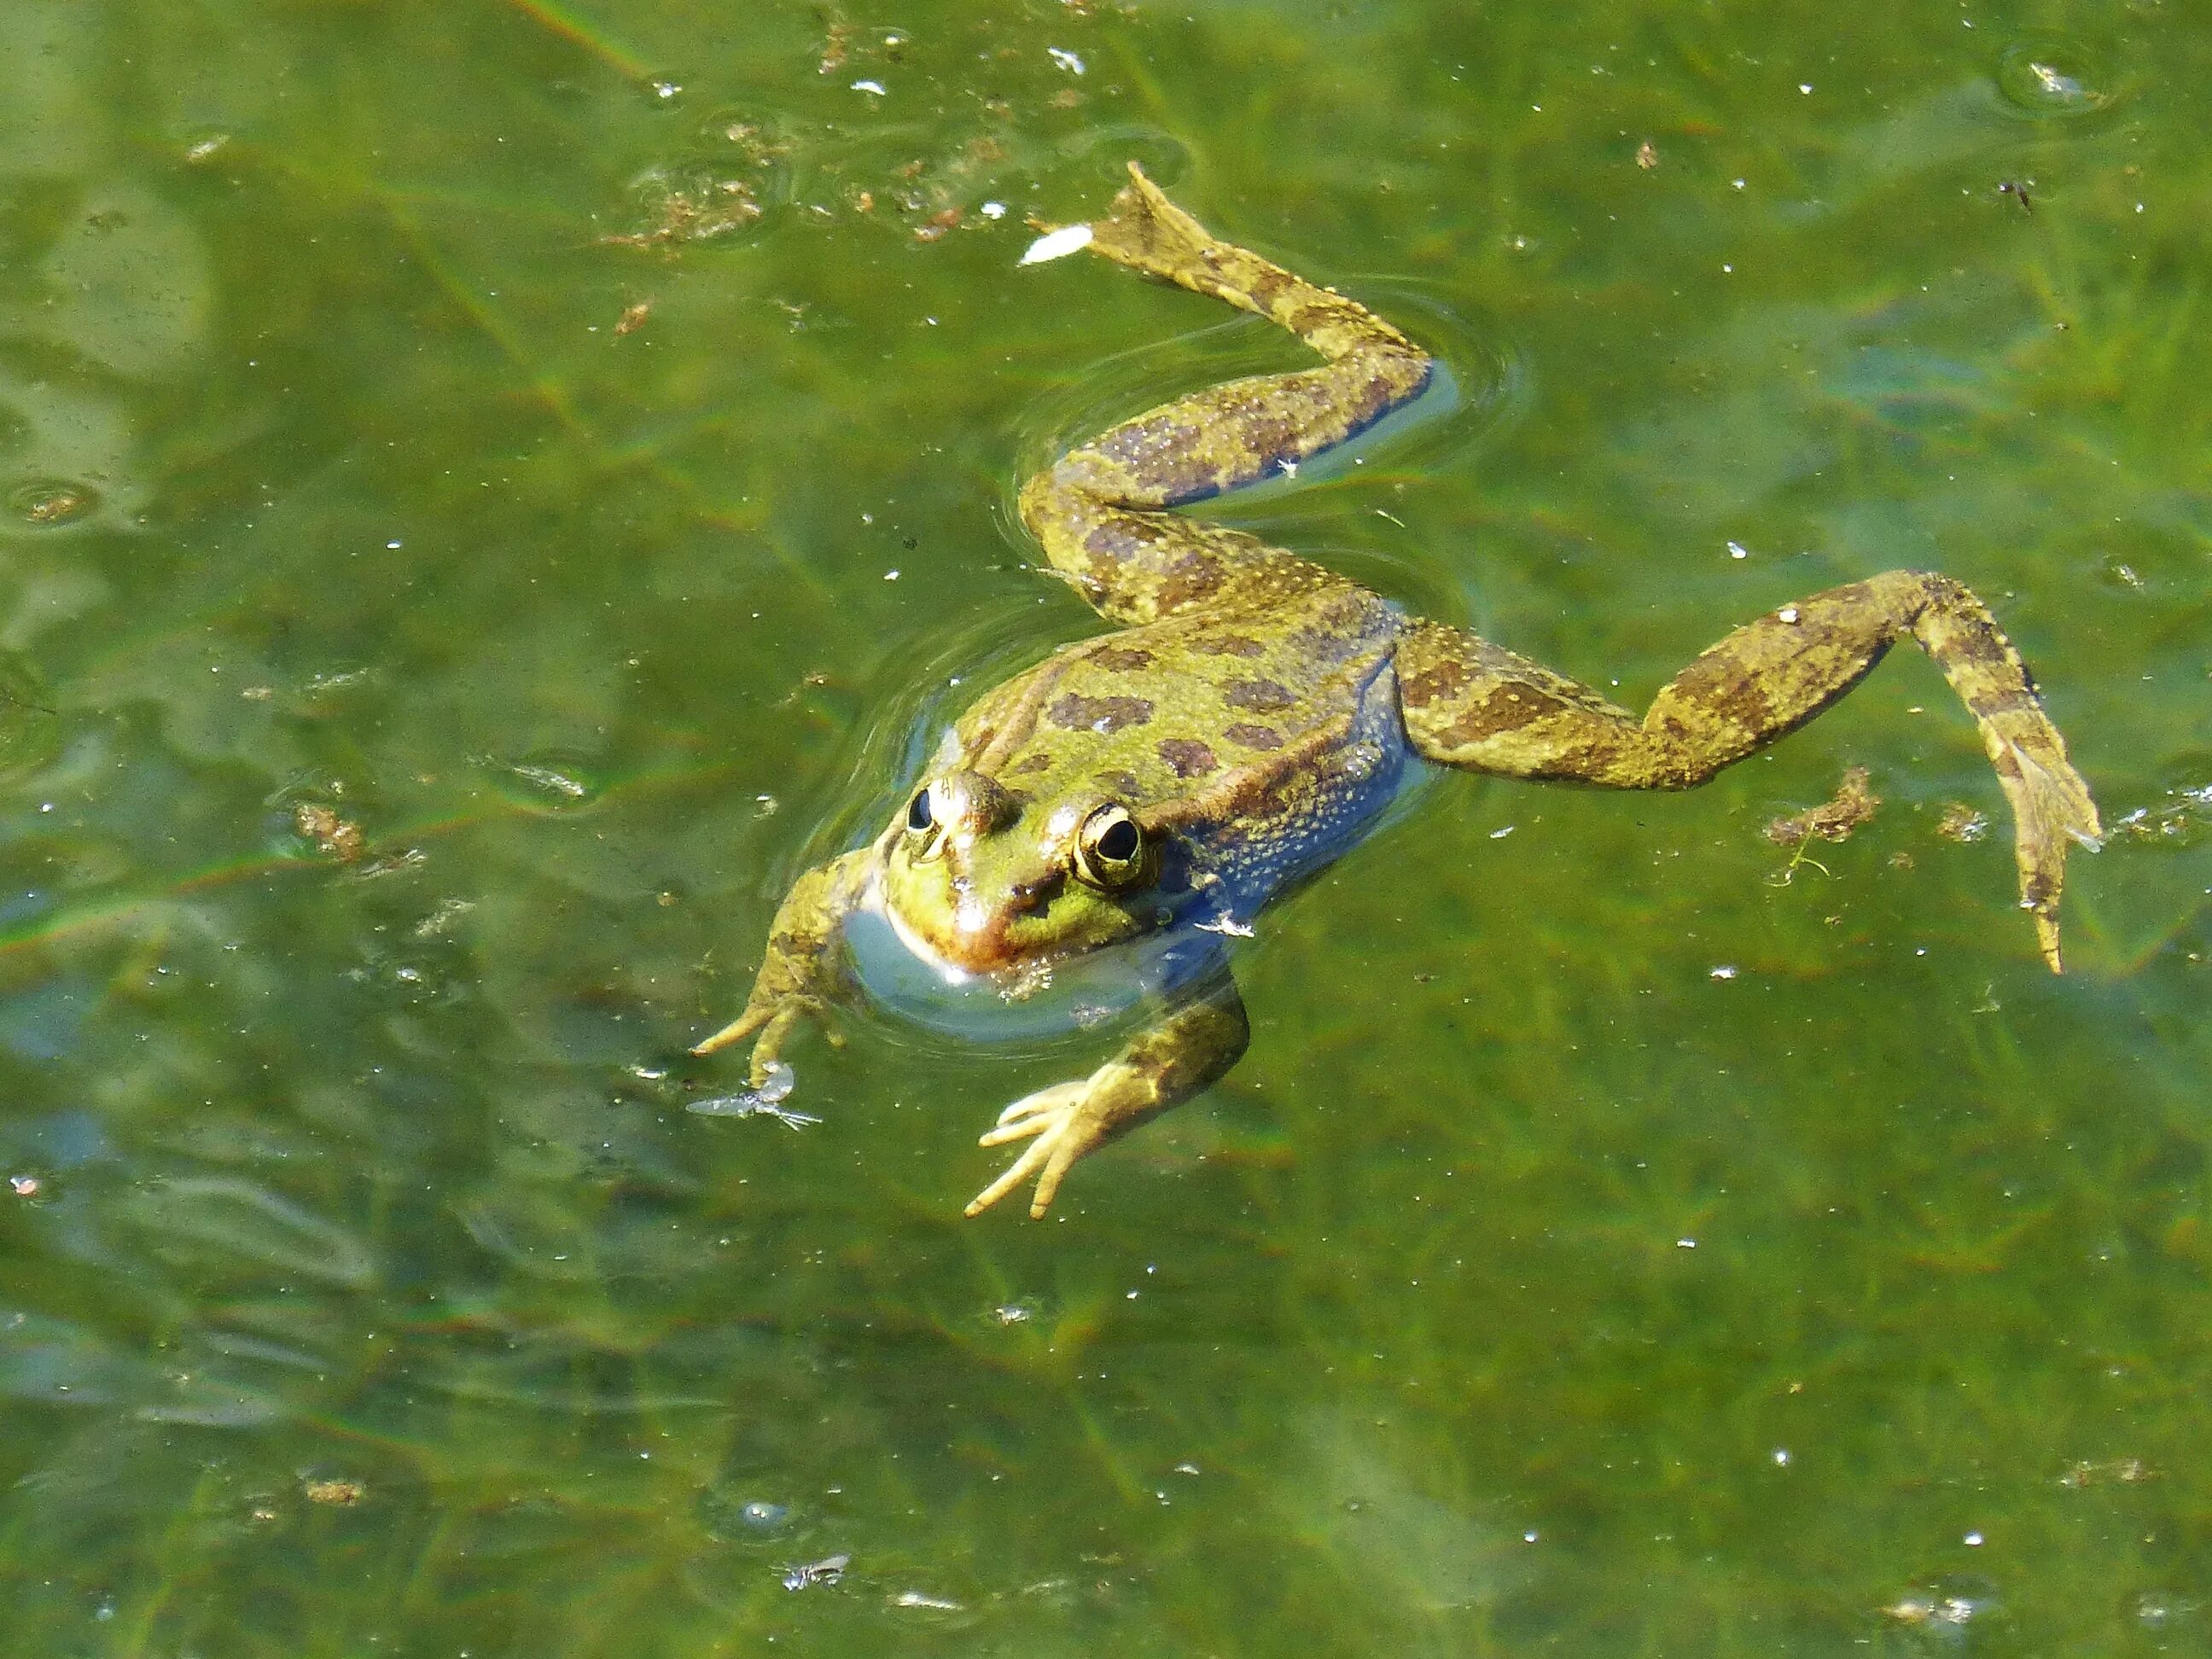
x=1254, y=713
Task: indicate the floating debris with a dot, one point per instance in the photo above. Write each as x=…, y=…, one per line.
x=1647, y=156
x=1961, y=823
x=1834, y=819
x=918, y=1599
x=698, y=211
x=633, y=317
x=763, y=1102
x=936, y=224
x=52, y=502
x=339, y=838
x=1057, y=244
x=337, y=1494
x=1954, y=1611
x=2126, y=1471
x=827, y=1570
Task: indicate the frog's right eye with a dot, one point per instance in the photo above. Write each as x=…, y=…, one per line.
x=920, y=812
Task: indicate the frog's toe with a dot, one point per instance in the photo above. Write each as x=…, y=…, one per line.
x=737, y=1030
x=1055, y=1117
x=1033, y=1114
x=1146, y=232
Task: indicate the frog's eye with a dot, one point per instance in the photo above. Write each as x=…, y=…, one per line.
x=1109, y=848
x=924, y=830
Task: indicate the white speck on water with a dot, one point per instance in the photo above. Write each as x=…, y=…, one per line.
x=1788, y=613
x=1529, y=1536
x=1782, y=1457
x=1067, y=60
x=1685, y=1243
x=1805, y=86
x=874, y=87
x=1737, y=549
x=993, y=210
x=392, y=546
x=1725, y=970
x=890, y=575
x=1972, y=1541
x=1057, y=244
x=917, y=1598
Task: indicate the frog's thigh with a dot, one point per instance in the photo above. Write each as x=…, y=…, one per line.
x=1138, y=566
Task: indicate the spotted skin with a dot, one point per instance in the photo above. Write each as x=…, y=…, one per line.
x=1256, y=711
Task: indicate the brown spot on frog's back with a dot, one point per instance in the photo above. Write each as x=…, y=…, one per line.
x=1187, y=757
x=1227, y=645
x=1120, y=659
x=1073, y=712
x=1258, y=696
x=1254, y=737
x=1124, y=784
x=1036, y=760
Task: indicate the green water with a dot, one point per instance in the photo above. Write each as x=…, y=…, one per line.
x=1535, y=1284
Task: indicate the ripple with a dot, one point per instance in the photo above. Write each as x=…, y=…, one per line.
x=2049, y=77
x=47, y=503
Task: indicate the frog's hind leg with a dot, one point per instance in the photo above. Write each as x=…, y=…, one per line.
x=1098, y=511
x=1468, y=703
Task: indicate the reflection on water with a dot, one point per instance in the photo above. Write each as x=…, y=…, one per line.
x=571, y=451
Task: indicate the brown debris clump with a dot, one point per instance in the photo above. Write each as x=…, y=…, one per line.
x=697, y=214
x=1834, y=819
x=332, y=834
x=1961, y=823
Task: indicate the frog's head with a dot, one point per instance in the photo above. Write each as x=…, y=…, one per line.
x=986, y=879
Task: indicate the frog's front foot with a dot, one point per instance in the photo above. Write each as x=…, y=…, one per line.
x=1067, y=1119
x=768, y=1021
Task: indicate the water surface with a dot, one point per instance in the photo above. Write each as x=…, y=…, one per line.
x=489, y=492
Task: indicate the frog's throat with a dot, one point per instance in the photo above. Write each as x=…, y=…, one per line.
x=918, y=947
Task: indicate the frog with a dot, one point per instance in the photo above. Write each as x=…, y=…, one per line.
x=1253, y=713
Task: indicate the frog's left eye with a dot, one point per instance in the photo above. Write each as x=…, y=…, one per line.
x=925, y=831
x=1109, y=848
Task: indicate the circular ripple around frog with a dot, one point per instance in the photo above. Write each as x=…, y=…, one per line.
x=2049, y=77
x=48, y=504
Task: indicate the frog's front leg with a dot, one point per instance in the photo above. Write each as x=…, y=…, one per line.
x=799, y=972
x=1162, y=1066
x=1468, y=702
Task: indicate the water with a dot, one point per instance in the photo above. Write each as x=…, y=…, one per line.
x=574, y=448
